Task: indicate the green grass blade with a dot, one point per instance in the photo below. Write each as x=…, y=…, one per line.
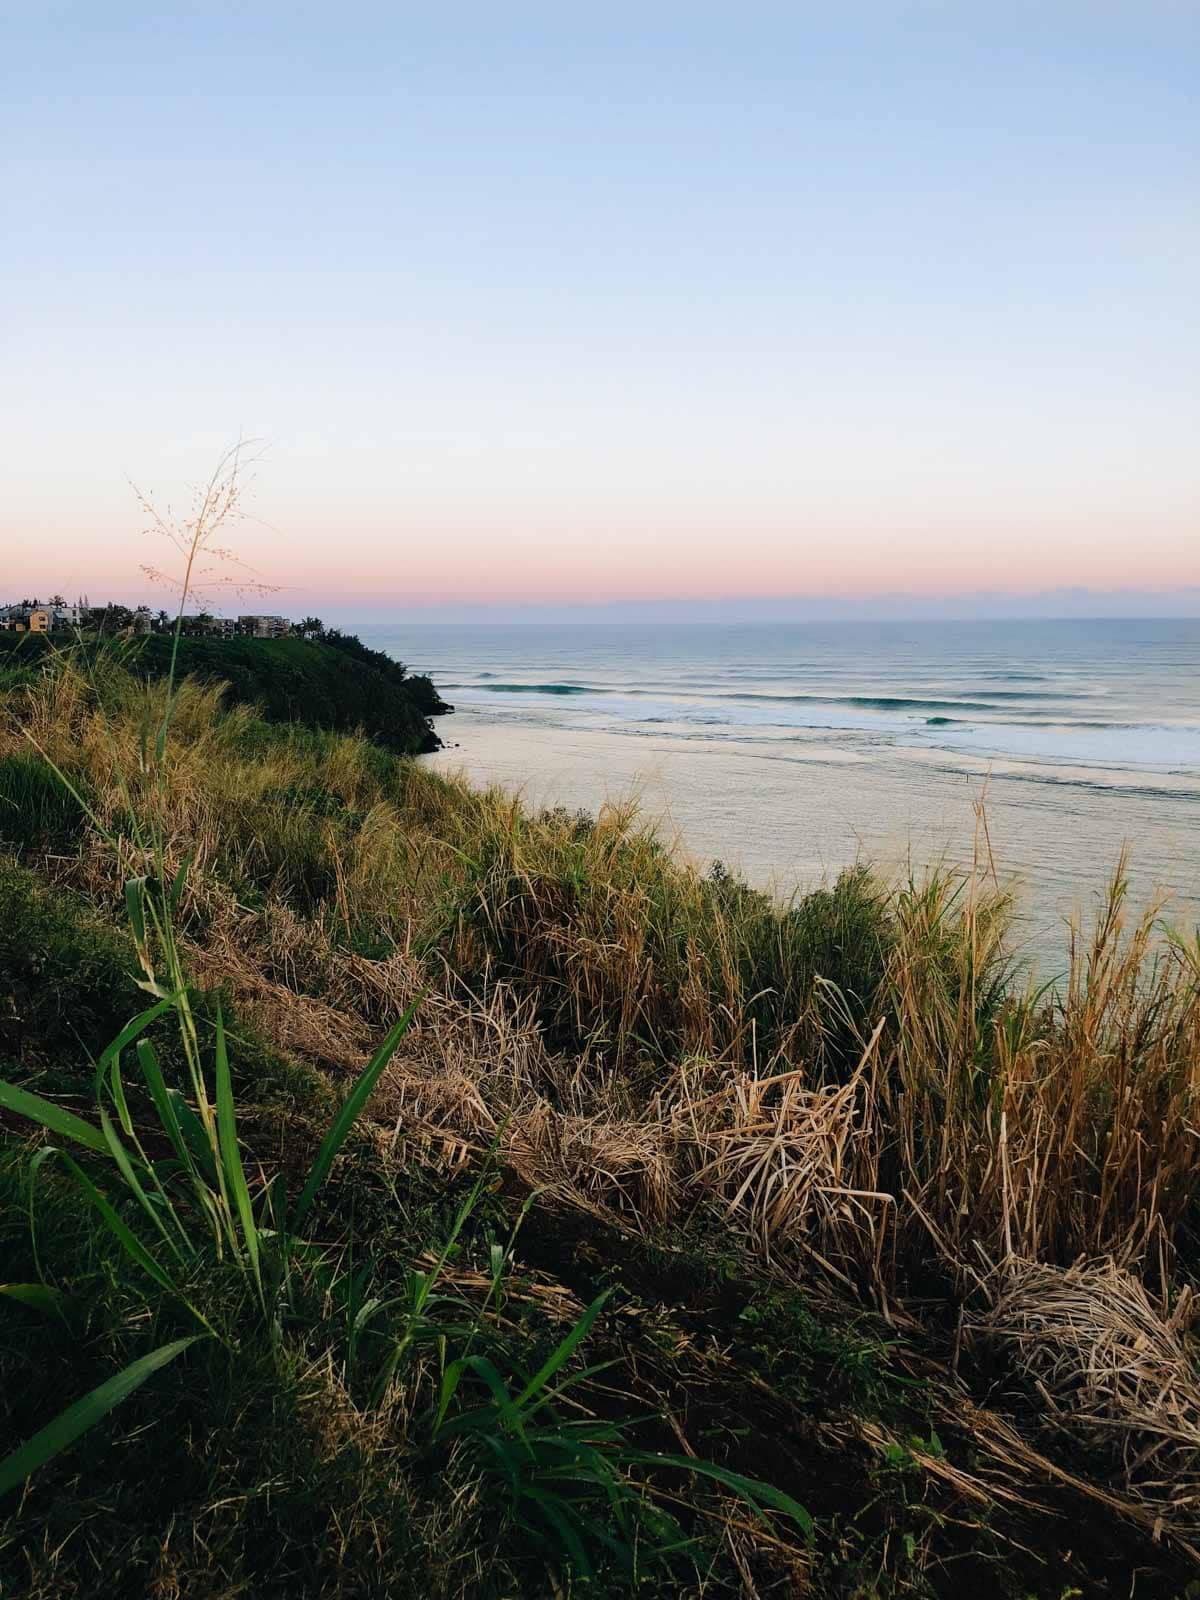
x=128, y=1034
x=155, y=1082
x=194, y=1132
x=344, y=1121
x=563, y=1352
x=477, y=1419
x=547, y=1397
x=125, y=1167
x=621, y=1544
x=451, y=1379
x=37, y=1296
x=231, y=1155
x=56, y=1436
x=509, y=1462
x=428, y=1281
x=177, y=882
x=752, y=1490
x=135, y=895
x=54, y=1117
x=117, y=1086
x=128, y=1240
x=558, y=1514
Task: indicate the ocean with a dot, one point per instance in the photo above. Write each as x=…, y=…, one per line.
x=789, y=751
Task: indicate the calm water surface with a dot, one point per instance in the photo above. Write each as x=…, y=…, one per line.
x=790, y=750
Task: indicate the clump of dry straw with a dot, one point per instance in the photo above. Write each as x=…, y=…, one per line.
x=1114, y=1370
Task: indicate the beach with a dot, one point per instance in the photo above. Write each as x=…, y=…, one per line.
x=789, y=751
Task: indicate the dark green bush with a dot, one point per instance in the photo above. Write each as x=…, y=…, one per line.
x=299, y=680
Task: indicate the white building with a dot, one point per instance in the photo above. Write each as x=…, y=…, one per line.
x=264, y=627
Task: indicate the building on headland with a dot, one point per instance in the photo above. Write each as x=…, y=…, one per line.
x=259, y=627
x=56, y=615
x=26, y=618
x=31, y=616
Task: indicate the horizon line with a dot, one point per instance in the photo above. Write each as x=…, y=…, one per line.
x=684, y=622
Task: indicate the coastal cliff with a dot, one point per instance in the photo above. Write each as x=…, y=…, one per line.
x=335, y=683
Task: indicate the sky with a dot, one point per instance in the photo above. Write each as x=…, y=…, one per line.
x=611, y=310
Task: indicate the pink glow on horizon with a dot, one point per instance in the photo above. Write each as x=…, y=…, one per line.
x=627, y=567
x=386, y=547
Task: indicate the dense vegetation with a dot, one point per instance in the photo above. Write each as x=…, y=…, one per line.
x=333, y=682
x=681, y=1243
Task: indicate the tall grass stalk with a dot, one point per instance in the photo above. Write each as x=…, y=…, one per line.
x=201, y=1130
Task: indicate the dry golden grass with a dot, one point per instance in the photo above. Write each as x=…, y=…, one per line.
x=690, y=1023
x=1047, y=1128
x=857, y=1085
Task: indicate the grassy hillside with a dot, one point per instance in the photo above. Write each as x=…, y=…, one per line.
x=684, y=1243
x=342, y=685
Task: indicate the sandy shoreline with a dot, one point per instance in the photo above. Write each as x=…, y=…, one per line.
x=794, y=821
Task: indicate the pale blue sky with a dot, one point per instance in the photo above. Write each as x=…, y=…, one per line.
x=653, y=302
